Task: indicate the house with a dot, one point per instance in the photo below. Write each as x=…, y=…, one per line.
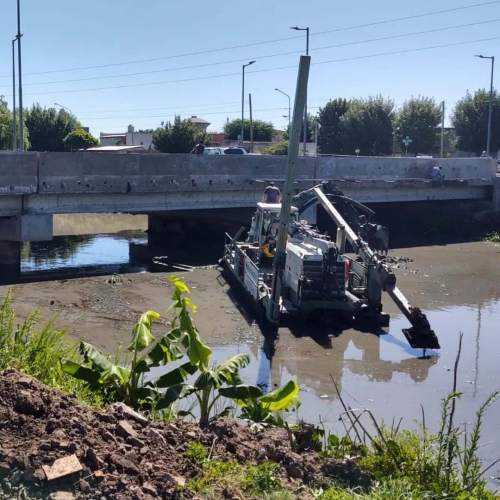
x=200, y=124
x=129, y=138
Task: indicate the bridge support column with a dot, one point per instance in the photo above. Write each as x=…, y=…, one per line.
x=10, y=262
x=496, y=195
x=26, y=228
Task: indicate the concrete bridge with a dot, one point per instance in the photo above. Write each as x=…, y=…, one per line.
x=35, y=186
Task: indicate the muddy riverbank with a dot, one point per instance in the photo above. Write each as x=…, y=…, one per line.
x=458, y=286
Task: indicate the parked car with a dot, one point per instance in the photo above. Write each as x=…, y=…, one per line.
x=214, y=151
x=233, y=150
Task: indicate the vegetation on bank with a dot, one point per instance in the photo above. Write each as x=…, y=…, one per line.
x=493, y=237
x=403, y=464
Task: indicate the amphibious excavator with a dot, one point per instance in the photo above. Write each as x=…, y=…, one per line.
x=287, y=265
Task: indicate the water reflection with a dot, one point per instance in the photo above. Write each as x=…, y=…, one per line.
x=80, y=252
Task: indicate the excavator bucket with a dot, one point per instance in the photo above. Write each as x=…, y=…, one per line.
x=420, y=335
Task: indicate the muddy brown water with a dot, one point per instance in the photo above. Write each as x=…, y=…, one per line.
x=457, y=285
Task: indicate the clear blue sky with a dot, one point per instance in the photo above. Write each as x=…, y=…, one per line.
x=59, y=35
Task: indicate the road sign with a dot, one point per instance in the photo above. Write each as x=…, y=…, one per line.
x=407, y=141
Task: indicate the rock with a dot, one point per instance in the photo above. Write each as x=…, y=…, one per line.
x=62, y=467
x=107, y=436
x=261, y=455
x=154, y=434
x=16, y=477
x=28, y=403
x=177, y=480
x=107, y=417
x=294, y=471
x=32, y=475
x=231, y=447
x=93, y=458
x=125, y=430
x=127, y=412
x=59, y=434
x=149, y=489
x=7, y=487
x=135, y=442
x=45, y=447
x=347, y=471
x=25, y=381
x=123, y=464
x=62, y=495
x=85, y=486
x=144, y=450
x=191, y=435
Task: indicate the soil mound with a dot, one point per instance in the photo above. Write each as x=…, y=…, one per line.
x=53, y=447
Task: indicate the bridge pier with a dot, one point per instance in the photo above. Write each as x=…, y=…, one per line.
x=13, y=232
x=10, y=262
x=496, y=195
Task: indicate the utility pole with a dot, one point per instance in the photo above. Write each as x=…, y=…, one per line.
x=273, y=311
x=19, y=57
x=14, y=126
x=442, y=129
x=243, y=99
x=296, y=28
x=251, y=122
x=488, y=140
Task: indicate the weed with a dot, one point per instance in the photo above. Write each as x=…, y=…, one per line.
x=36, y=352
x=262, y=477
x=196, y=453
x=493, y=237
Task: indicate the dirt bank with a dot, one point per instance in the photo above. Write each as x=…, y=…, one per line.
x=55, y=448
x=103, y=309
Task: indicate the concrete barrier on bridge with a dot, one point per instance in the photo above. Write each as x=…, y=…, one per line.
x=18, y=173
x=77, y=173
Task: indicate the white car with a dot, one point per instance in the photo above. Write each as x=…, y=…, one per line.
x=214, y=151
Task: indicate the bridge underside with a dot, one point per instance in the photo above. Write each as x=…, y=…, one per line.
x=145, y=203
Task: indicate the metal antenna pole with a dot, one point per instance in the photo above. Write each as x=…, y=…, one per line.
x=251, y=122
x=442, y=129
x=273, y=312
x=488, y=142
x=19, y=60
x=14, y=125
x=242, y=104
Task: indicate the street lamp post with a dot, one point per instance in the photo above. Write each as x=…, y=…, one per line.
x=488, y=141
x=67, y=124
x=14, y=127
x=19, y=35
x=296, y=28
x=243, y=100
x=289, y=107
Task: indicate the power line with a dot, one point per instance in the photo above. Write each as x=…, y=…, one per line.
x=221, y=49
x=204, y=114
x=370, y=40
x=136, y=85
x=197, y=106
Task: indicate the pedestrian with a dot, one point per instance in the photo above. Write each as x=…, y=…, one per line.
x=271, y=194
x=199, y=149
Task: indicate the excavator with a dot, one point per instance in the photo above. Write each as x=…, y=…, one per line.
x=286, y=265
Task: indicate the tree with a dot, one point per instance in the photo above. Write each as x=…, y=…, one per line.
x=311, y=127
x=262, y=131
x=278, y=149
x=6, y=127
x=48, y=127
x=367, y=125
x=470, y=119
x=418, y=119
x=79, y=139
x=331, y=131
x=180, y=137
